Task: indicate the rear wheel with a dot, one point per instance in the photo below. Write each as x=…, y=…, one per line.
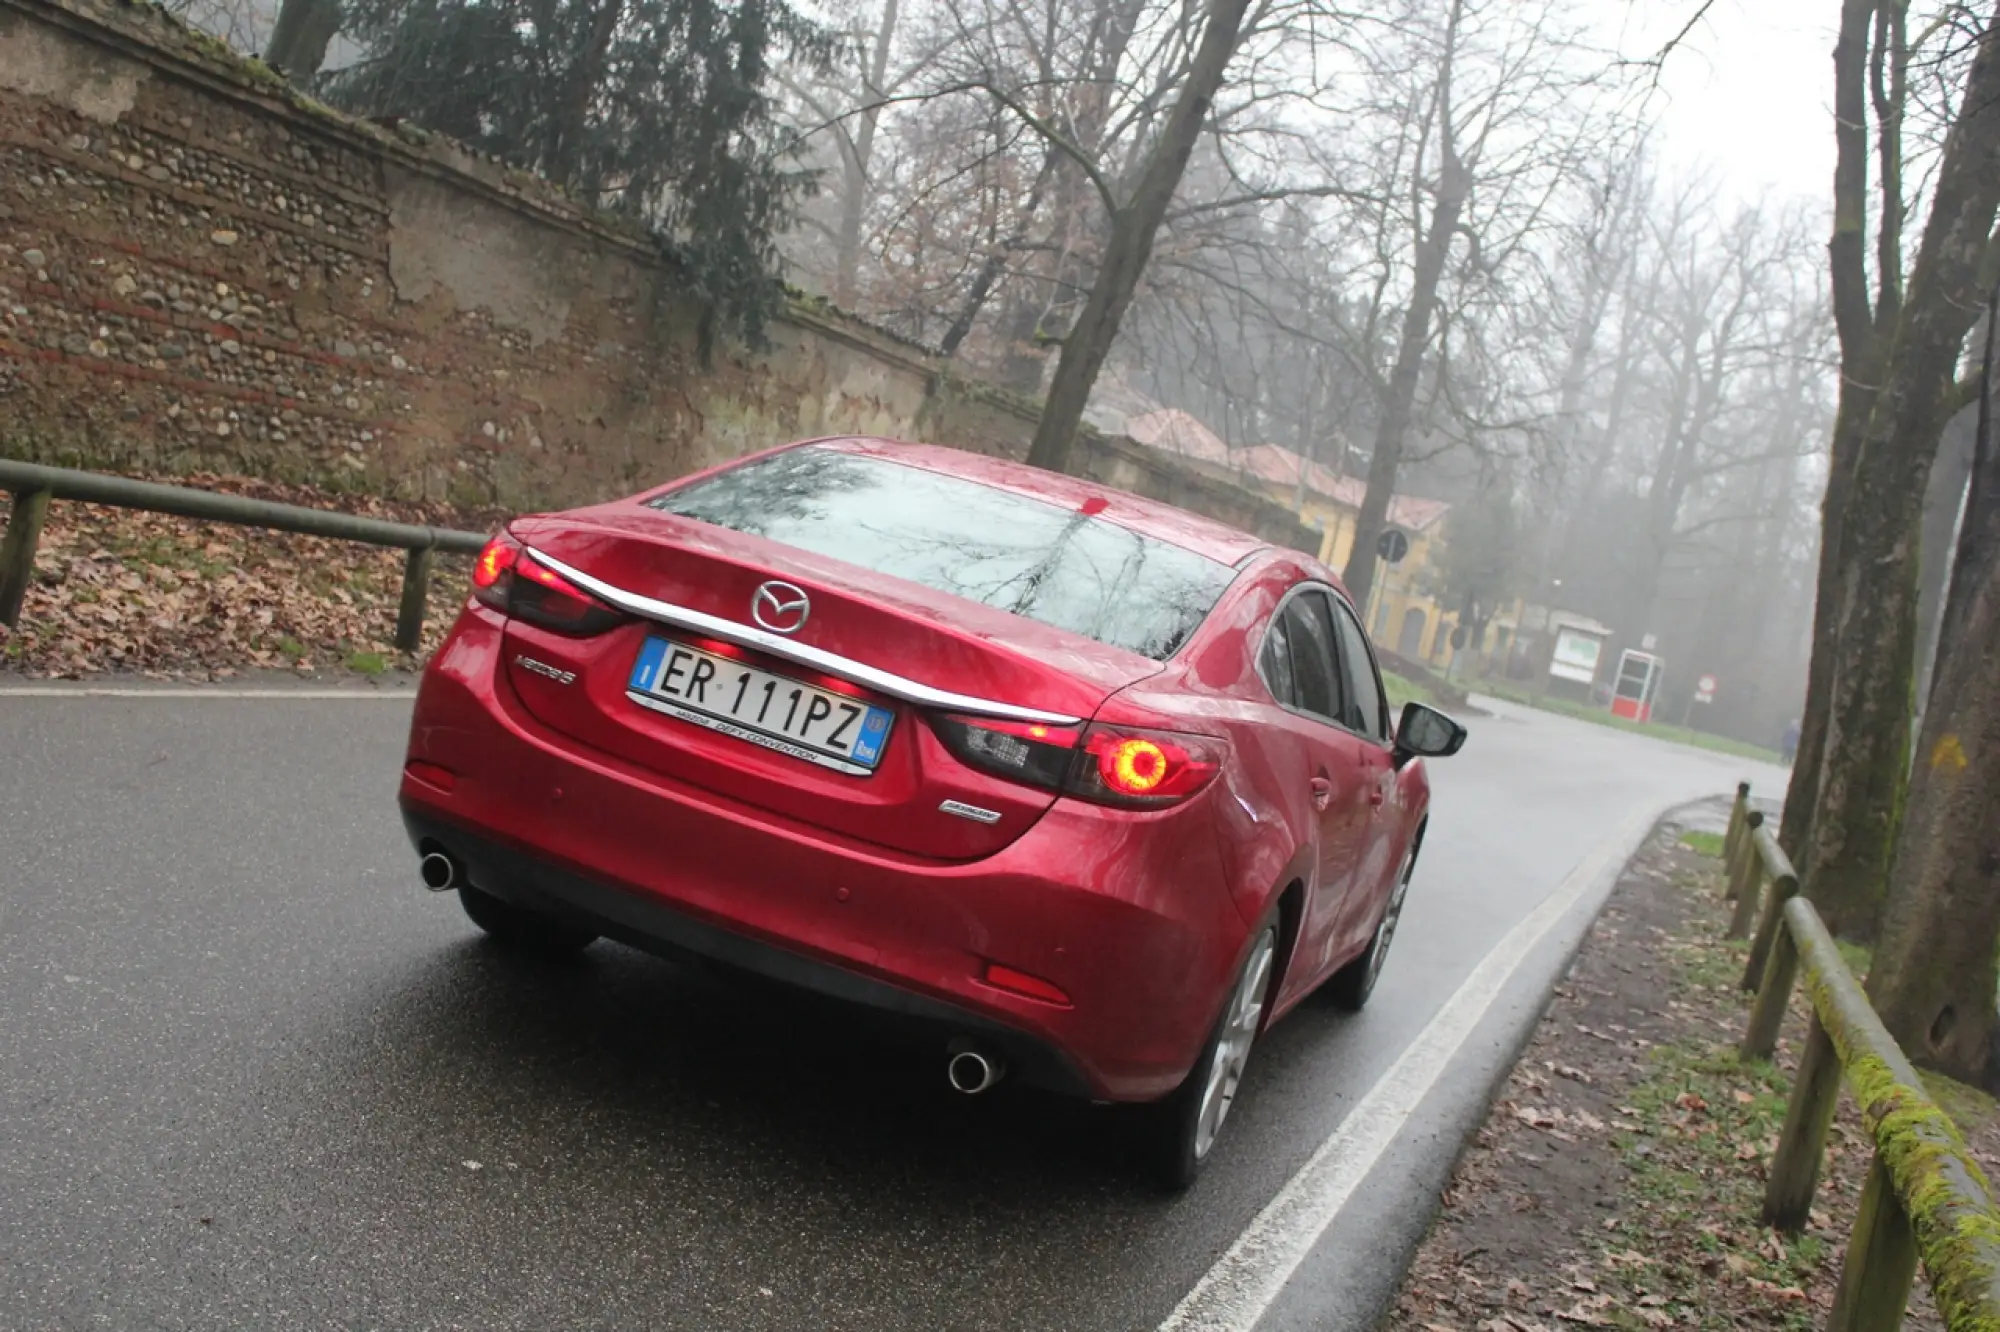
x=518, y=927
x=1188, y=1121
x=1353, y=983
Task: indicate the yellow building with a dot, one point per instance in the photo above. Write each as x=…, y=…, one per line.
x=1404, y=616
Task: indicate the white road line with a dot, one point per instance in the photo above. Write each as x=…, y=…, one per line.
x=1236, y=1292
x=51, y=691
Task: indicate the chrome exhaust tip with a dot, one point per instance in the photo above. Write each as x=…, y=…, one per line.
x=972, y=1071
x=439, y=871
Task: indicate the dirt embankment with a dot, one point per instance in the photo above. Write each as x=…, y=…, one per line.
x=1616, y=1182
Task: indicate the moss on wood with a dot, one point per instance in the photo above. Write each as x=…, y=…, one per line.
x=1946, y=1195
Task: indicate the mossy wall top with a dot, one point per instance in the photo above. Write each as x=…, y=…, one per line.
x=201, y=270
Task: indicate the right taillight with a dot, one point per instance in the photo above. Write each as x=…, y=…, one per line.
x=1139, y=769
x=1130, y=767
x=507, y=577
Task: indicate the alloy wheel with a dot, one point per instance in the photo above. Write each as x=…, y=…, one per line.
x=1232, y=1046
x=1386, y=931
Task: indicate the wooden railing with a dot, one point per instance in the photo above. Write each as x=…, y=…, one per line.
x=1925, y=1197
x=34, y=487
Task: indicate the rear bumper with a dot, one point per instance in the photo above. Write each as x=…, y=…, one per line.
x=651, y=924
x=1129, y=914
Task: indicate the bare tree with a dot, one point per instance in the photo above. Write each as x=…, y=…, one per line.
x=1898, y=362
x=1470, y=182
x=1934, y=971
x=845, y=107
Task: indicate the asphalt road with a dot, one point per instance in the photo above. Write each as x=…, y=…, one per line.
x=252, y=1076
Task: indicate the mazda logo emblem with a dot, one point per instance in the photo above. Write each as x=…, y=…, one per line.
x=781, y=607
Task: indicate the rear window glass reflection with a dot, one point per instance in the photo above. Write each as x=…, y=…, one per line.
x=1044, y=563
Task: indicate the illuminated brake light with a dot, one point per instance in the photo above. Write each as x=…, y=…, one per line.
x=494, y=561
x=1132, y=765
x=507, y=577
x=1143, y=769
x=547, y=577
x=1114, y=765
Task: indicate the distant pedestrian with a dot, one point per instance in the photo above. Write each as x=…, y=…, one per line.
x=1788, y=745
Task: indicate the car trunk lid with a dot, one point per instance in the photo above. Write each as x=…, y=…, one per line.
x=873, y=640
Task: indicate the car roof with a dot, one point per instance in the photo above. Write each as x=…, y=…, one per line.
x=1190, y=531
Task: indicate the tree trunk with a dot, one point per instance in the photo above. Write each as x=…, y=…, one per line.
x=562, y=155
x=1130, y=246
x=1942, y=502
x=996, y=264
x=1860, y=371
x=1392, y=428
x=854, y=166
x=300, y=37
x=1802, y=793
x=1865, y=768
x=1624, y=367
x=1934, y=973
x=1022, y=315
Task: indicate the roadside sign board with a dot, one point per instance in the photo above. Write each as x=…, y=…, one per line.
x=1575, y=656
x=1704, y=689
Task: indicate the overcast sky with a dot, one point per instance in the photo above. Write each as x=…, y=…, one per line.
x=1748, y=94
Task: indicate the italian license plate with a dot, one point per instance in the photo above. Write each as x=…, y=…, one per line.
x=774, y=711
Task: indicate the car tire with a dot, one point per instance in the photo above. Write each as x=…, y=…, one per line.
x=1350, y=987
x=1186, y=1124
x=520, y=928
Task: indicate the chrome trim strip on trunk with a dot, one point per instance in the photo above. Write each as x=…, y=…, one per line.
x=777, y=645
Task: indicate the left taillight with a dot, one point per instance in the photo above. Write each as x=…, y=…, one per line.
x=1130, y=767
x=507, y=577
x=493, y=571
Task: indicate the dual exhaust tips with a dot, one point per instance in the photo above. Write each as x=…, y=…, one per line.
x=970, y=1069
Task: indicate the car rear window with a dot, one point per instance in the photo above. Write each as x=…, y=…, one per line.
x=1048, y=564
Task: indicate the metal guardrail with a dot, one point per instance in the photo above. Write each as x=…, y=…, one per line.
x=1925, y=1197
x=34, y=486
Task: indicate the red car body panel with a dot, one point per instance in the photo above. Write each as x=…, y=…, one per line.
x=1140, y=916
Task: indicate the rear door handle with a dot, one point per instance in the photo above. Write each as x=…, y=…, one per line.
x=1322, y=790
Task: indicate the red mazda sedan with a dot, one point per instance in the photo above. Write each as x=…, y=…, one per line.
x=1097, y=787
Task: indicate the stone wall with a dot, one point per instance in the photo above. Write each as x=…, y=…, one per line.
x=201, y=270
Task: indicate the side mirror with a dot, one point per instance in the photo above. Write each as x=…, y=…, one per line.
x=1424, y=732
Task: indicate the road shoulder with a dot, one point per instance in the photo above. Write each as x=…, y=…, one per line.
x=1616, y=1180
x=1327, y=1251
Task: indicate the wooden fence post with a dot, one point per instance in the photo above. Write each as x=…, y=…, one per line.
x=17, y=551
x=1881, y=1261
x=1748, y=887
x=1737, y=810
x=416, y=588
x=1794, y=1175
x=1770, y=923
x=1774, y=993
x=1744, y=864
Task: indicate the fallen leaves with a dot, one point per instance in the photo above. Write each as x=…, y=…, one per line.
x=1589, y=1313
x=129, y=590
x=1646, y=1215
x=1557, y=1122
